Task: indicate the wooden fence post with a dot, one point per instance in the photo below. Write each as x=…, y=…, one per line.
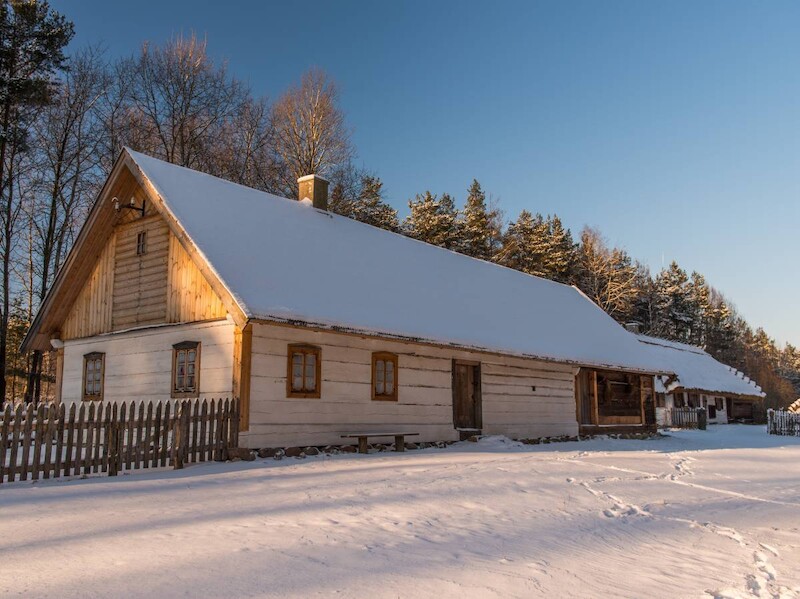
x=49, y=432
x=4, y=439
x=177, y=434
x=702, y=419
x=218, y=432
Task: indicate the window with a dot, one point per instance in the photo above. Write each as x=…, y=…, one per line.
x=93, y=373
x=186, y=369
x=303, y=371
x=384, y=376
x=677, y=400
x=718, y=402
x=141, y=243
x=661, y=400
x=618, y=395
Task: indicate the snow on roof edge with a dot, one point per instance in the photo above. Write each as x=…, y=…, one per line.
x=702, y=372
x=339, y=328
x=142, y=164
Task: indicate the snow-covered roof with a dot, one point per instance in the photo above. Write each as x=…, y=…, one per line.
x=696, y=369
x=283, y=260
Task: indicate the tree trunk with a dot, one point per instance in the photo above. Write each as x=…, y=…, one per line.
x=6, y=276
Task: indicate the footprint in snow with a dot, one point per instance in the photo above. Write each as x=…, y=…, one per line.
x=770, y=548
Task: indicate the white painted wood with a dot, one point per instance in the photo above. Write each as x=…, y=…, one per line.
x=511, y=406
x=662, y=417
x=520, y=398
x=138, y=364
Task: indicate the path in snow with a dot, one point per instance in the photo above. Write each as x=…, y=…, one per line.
x=713, y=514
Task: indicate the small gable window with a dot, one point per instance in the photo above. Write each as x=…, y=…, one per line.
x=141, y=243
x=93, y=374
x=384, y=376
x=304, y=371
x=186, y=369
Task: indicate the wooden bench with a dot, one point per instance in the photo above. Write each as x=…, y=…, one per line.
x=399, y=439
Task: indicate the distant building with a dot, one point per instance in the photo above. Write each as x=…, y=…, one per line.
x=700, y=381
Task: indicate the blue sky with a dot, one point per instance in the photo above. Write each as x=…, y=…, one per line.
x=673, y=127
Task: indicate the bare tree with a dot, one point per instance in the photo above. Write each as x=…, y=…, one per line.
x=310, y=132
x=606, y=275
x=243, y=151
x=179, y=100
x=32, y=39
x=66, y=138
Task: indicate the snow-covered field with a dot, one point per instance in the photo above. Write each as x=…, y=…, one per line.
x=714, y=513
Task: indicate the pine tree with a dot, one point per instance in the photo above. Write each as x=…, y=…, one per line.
x=561, y=254
x=789, y=366
x=643, y=306
x=432, y=220
x=370, y=208
x=674, y=302
x=479, y=231
x=721, y=331
x=345, y=184
x=700, y=309
x=525, y=244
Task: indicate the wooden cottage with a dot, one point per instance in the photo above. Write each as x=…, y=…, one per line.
x=699, y=381
x=184, y=285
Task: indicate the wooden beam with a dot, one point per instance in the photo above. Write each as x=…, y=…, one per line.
x=595, y=407
x=641, y=398
x=59, y=373
x=242, y=369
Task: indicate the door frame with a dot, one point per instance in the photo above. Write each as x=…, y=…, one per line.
x=477, y=391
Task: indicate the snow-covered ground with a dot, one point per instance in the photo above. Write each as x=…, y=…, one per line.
x=714, y=513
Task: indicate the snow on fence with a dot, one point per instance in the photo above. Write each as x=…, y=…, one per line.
x=53, y=440
x=781, y=422
x=686, y=418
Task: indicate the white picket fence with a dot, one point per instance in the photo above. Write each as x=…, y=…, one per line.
x=781, y=422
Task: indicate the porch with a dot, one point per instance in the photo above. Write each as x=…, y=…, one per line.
x=614, y=402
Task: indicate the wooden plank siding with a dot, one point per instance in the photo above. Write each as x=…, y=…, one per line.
x=511, y=406
x=140, y=282
x=91, y=312
x=190, y=297
x=126, y=291
x=138, y=364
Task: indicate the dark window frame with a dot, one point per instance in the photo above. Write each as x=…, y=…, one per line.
x=178, y=391
x=304, y=350
x=141, y=243
x=94, y=358
x=386, y=358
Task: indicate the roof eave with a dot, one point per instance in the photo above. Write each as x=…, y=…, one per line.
x=361, y=332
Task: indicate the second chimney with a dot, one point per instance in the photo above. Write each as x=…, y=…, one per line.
x=314, y=188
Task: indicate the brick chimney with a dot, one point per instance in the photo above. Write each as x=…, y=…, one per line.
x=314, y=188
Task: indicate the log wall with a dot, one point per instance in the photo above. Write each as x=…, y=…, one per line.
x=521, y=398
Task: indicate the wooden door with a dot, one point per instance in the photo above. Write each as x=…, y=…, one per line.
x=467, y=395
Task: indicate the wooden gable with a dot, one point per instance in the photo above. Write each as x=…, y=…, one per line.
x=109, y=284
